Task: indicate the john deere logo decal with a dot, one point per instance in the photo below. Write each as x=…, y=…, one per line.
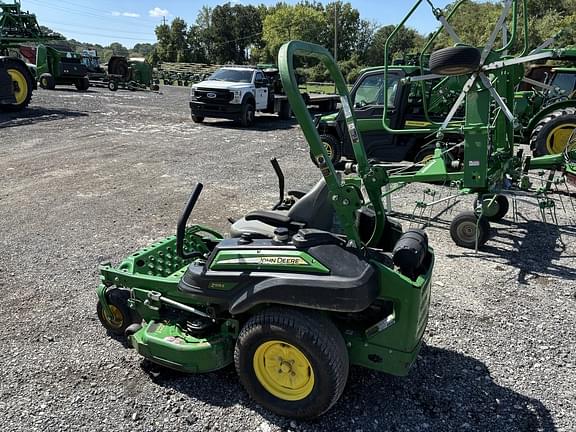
x=282, y=260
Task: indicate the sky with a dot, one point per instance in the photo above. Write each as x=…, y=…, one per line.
x=130, y=22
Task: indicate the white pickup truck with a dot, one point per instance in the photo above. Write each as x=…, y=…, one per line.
x=236, y=92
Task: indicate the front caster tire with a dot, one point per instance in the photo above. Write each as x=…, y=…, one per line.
x=292, y=362
x=494, y=210
x=121, y=313
x=466, y=229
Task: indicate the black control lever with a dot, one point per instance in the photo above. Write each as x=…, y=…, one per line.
x=181, y=227
x=280, y=175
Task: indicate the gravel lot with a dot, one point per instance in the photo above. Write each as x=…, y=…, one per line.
x=92, y=177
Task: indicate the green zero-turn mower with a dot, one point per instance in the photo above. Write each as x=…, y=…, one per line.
x=289, y=298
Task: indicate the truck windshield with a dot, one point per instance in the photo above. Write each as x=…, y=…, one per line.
x=234, y=75
x=371, y=92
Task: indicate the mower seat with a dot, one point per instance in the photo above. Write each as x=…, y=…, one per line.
x=312, y=210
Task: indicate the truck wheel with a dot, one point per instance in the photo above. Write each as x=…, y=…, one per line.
x=47, y=81
x=292, y=362
x=467, y=227
x=197, y=119
x=332, y=146
x=82, y=84
x=551, y=134
x=494, y=210
x=22, y=84
x=113, y=85
x=121, y=315
x=285, y=111
x=452, y=61
x=248, y=114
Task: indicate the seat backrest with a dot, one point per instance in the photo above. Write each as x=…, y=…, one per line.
x=314, y=208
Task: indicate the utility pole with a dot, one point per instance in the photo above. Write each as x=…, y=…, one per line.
x=163, y=20
x=336, y=31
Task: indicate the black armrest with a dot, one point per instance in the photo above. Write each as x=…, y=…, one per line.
x=273, y=218
x=296, y=194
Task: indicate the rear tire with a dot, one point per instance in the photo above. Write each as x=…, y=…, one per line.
x=292, y=362
x=466, y=228
x=22, y=81
x=248, y=114
x=197, y=119
x=47, y=81
x=113, y=85
x=332, y=146
x=551, y=134
x=454, y=61
x=82, y=84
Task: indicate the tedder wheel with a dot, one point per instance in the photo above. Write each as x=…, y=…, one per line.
x=494, y=209
x=197, y=119
x=122, y=317
x=112, y=85
x=453, y=61
x=332, y=146
x=248, y=114
x=292, y=362
x=22, y=84
x=47, y=81
x=467, y=227
x=551, y=134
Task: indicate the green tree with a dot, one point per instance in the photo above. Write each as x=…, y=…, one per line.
x=348, y=26
x=292, y=22
x=406, y=40
x=118, y=49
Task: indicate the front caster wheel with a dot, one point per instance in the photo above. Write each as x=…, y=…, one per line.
x=292, y=362
x=494, y=209
x=467, y=230
x=121, y=315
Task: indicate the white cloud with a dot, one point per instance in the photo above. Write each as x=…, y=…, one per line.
x=157, y=12
x=126, y=14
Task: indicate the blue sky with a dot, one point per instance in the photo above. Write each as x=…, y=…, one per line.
x=130, y=22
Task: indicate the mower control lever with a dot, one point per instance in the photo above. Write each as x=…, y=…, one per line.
x=280, y=175
x=181, y=227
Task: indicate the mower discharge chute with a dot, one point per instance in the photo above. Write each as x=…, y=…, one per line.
x=289, y=298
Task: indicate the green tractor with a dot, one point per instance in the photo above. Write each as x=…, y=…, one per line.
x=544, y=107
x=291, y=297
x=17, y=79
x=54, y=67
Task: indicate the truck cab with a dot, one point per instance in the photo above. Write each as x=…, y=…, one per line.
x=232, y=92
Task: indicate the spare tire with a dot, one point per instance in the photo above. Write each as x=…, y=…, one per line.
x=454, y=61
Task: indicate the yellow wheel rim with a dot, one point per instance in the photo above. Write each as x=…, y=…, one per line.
x=558, y=138
x=329, y=150
x=20, y=85
x=283, y=370
x=426, y=159
x=117, y=317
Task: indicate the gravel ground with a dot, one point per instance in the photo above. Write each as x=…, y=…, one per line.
x=92, y=177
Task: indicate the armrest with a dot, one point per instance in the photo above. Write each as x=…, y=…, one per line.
x=273, y=218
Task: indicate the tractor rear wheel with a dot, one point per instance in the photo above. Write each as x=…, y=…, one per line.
x=47, y=81
x=452, y=61
x=22, y=84
x=121, y=315
x=292, y=362
x=551, y=134
x=467, y=230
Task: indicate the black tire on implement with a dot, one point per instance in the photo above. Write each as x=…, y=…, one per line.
x=466, y=229
x=453, y=61
x=545, y=134
x=318, y=340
